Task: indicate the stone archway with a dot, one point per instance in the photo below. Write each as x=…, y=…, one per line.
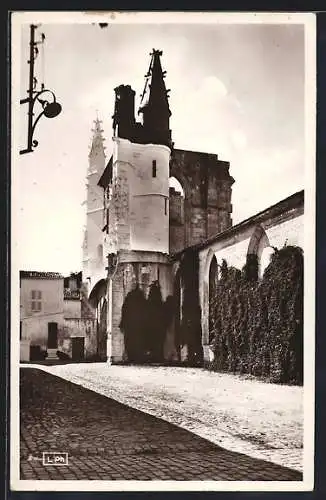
x=258, y=243
x=97, y=300
x=206, y=272
x=177, y=215
x=180, y=229
x=134, y=325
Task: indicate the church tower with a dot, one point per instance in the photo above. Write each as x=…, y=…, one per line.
x=137, y=195
x=92, y=246
x=141, y=158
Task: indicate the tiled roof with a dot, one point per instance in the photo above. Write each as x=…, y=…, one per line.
x=292, y=202
x=40, y=275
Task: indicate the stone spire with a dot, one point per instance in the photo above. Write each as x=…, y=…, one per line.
x=154, y=103
x=97, y=150
x=94, y=201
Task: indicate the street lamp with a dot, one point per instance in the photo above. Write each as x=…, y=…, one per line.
x=50, y=108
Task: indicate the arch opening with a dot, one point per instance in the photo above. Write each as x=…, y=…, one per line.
x=98, y=302
x=256, y=261
x=265, y=259
x=176, y=215
x=176, y=186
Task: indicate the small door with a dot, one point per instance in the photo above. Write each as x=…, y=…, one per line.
x=52, y=335
x=78, y=348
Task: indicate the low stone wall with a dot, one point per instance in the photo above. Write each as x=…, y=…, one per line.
x=78, y=328
x=35, y=328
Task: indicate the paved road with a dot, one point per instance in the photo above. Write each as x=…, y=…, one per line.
x=106, y=440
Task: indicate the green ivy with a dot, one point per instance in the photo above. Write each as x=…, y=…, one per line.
x=257, y=326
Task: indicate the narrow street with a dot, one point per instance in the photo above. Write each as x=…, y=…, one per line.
x=108, y=440
x=240, y=413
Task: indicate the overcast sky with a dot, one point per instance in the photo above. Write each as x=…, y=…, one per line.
x=236, y=90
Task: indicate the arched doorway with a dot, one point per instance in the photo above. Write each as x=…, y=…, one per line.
x=176, y=185
x=97, y=300
x=257, y=249
x=177, y=236
x=212, y=296
x=134, y=326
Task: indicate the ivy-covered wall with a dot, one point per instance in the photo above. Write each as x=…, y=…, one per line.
x=257, y=326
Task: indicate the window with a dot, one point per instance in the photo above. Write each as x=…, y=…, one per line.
x=36, y=303
x=154, y=168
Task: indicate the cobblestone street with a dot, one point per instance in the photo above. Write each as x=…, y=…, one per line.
x=106, y=440
x=244, y=415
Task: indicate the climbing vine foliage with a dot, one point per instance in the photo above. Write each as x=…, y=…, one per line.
x=257, y=326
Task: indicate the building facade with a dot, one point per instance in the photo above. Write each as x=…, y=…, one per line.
x=141, y=232
x=53, y=323
x=41, y=312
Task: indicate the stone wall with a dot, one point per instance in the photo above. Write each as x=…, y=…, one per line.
x=86, y=310
x=207, y=187
x=135, y=267
x=176, y=220
x=279, y=225
x=35, y=328
x=72, y=308
x=175, y=206
x=36, y=334
x=138, y=209
x=77, y=328
x=51, y=297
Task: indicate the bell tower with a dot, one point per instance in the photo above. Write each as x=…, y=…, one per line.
x=92, y=244
x=140, y=164
x=154, y=107
x=137, y=195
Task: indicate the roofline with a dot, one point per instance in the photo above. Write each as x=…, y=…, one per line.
x=40, y=275
x=212, y=155
x=291, y=202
